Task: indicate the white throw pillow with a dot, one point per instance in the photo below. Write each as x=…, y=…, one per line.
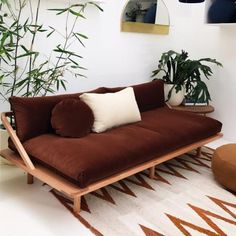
x=112, y=109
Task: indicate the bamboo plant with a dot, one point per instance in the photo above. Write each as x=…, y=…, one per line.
x=25, y=71
x=178, y=69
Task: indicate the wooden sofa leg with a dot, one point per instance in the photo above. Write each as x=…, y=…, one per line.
x=30, y=179
x=199, y=151
x=152, y=172
x=77, y=204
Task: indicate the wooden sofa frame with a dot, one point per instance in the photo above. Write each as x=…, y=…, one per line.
x=23, y=161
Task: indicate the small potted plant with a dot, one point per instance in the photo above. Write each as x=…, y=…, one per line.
x=135, y=13
x=183, y=77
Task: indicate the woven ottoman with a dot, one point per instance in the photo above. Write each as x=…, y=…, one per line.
x=224, y=166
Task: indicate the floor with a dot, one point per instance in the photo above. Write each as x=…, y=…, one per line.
x=218, y=143
x=23, y=210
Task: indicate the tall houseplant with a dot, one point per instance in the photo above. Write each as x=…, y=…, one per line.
x=184, y=74
x=25, y=71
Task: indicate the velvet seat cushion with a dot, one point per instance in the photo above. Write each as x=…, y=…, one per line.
x=72, y=118
x=97, y=156
x=182, y=128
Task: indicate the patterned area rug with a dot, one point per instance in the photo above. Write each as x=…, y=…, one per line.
x=184, y=199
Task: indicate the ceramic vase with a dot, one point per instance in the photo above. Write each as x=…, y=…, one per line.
x=140, y=18
x=176, y=98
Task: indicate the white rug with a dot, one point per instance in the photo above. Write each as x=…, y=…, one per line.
x=184, y=199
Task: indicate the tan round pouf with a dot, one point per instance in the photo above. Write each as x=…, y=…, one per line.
x=224, y=166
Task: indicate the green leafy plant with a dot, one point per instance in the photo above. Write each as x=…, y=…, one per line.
x=179, y=70
x=24, y=70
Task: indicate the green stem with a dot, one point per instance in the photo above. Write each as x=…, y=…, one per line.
x=31, y=62
x=11, y=11
x=64, y=47
x=16, y=49
x=4, y=98
x=51, y=76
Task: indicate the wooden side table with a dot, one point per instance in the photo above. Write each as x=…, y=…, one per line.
x=201, y=110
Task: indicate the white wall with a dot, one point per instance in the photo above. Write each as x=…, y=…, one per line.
x=223, y=89
x=115, y=58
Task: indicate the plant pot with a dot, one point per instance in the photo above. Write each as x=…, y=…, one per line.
x=3, y=144
x=140, y=18
x=176, y=98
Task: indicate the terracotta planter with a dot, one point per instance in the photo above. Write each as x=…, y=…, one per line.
x=176, y=98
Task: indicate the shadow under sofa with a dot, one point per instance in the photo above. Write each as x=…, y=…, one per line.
x=76, y=166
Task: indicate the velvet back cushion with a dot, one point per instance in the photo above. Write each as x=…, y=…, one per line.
x=72, y=118
x=33, y=115
x=148, y=95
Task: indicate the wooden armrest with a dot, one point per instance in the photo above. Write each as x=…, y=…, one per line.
x=16, y=140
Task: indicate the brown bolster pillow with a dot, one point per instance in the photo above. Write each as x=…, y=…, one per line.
x=72, y=118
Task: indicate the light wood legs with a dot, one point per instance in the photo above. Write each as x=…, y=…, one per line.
x=77, y=204
x=152, y=172
x=30, y=179
x=199, y=151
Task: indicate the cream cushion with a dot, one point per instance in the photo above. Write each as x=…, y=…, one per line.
x=112, y=109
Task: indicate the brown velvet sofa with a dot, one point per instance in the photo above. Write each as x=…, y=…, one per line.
x=76, y=166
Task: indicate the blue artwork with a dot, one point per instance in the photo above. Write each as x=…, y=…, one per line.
x=222, y=11
x=150, y=16
x=191, y=1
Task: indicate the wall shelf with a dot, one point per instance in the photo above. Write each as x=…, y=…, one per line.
x=144, y=28
x=145, y=16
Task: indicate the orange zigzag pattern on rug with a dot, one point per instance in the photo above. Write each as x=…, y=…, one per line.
x=149, y=232
x=104, y=194
x=82, y=220
x=197, y=160
x=84, y=205
x=140, y=181
x=204, y=214
x=184, y=164
x=157, y=177
x=123, y=188
x=206, y=156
